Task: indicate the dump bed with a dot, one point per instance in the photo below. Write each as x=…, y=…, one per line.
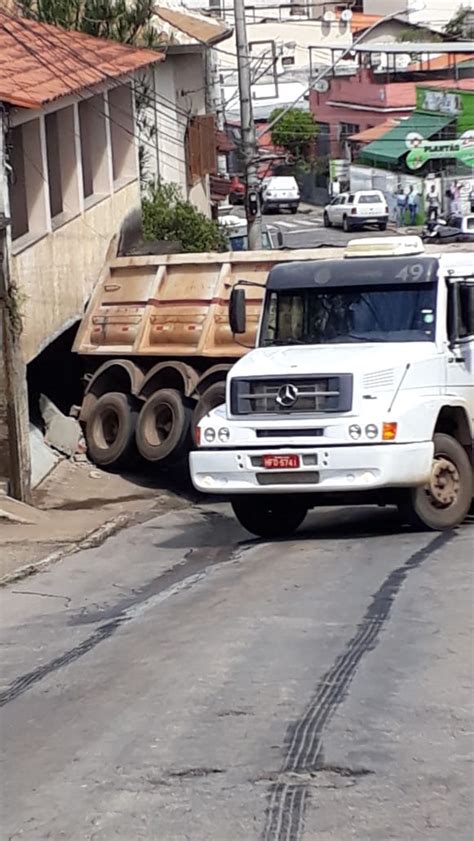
x=176, y=305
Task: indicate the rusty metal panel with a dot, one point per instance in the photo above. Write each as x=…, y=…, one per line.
x=201, y=147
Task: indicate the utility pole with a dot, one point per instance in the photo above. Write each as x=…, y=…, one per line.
x=14, y=433
x=249, y=139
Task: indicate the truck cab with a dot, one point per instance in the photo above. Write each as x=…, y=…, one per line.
x=360, y=389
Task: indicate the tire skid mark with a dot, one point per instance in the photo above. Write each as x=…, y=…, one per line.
x=287, y=803
x=196, y=563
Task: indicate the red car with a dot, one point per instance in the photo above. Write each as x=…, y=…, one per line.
x=237, y=190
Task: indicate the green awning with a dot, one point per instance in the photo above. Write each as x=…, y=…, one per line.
x=391, y=147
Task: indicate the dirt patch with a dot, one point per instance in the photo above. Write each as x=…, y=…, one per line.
x=74, y=503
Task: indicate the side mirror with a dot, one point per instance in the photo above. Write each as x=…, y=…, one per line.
x=237, y=314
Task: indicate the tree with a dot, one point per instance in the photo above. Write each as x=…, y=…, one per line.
x=127, y=21
x=421, y=33
x=460, y=26
x=167, y=216
x=295, y=131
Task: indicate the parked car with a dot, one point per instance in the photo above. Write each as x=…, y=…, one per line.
x=280, y=191
x=355, y=210
x=237, y=191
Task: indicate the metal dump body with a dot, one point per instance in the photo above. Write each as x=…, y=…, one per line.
x=176, y=305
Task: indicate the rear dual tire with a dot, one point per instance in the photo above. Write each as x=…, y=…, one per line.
x=163, y=431
x=110, y=431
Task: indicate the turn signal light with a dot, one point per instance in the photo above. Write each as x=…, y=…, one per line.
x=197, y=436
x=389, y=431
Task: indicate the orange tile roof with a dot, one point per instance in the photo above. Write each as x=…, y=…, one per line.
x=375, y=132
x=441, y=62
x=40, y=63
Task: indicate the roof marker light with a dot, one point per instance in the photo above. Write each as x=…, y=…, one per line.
x=384, y=247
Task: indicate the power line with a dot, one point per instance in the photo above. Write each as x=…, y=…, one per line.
x=94, y=92
x=22, y=22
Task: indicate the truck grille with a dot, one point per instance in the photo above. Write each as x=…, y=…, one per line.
x=291, y=395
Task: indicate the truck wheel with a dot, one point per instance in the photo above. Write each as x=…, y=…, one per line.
x=211, y=398
x=272, y=516
x=326, y=220
x=346, y=225
x=110, y=430
x=445, y=501
x=163, y=428
x=382, y=226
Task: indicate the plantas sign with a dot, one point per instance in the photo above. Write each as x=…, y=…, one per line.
x=422, y=150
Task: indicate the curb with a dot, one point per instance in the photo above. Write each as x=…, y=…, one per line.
x=93, y=539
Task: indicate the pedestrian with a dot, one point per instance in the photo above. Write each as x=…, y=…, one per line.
x=432, y=203
x=401, y=205
x=412, y=202
x=449, y=201
x=471, y=198
x=456, y=202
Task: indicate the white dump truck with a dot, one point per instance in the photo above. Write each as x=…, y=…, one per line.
x=360, y=390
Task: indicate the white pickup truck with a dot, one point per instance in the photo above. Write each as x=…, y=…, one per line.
x=360, y=390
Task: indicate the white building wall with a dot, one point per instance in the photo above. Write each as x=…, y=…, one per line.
x=436, y=13
x=177, y=92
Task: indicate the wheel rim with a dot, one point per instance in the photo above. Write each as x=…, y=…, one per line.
x=107, y=429
x=158, y=425
x=445, y=483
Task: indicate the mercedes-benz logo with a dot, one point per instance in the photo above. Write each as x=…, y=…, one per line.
x=287, y=396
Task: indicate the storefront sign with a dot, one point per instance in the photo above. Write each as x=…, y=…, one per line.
x=422, y=150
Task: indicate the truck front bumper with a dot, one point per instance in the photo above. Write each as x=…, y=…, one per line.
x=322, y=470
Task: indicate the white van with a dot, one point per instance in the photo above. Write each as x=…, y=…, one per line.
x=280, y=191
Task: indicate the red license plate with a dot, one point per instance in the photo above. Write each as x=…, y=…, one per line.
x=289, y=462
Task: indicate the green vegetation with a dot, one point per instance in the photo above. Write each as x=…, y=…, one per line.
x=167, y=216
x=420, y=34
x=295, y=131
x=458, y=27
x=127, y=21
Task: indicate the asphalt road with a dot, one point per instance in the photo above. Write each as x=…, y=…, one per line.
x=184, y=682
x=306, y=230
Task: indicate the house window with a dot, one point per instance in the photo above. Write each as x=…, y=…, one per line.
x=28, y=181
x=122, y=134
x=62, y=163
x=93, y=131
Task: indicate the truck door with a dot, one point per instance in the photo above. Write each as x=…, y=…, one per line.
x=460, y=376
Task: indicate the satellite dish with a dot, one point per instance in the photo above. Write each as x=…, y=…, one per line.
x=346, y=15
x=329, y=16
x=322, y=86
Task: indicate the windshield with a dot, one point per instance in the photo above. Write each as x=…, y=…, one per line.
x=392, y=313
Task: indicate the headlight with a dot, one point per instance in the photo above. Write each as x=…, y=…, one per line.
x=209, y=435
x=371, y=430
x=223, y=434
x=355, y=431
